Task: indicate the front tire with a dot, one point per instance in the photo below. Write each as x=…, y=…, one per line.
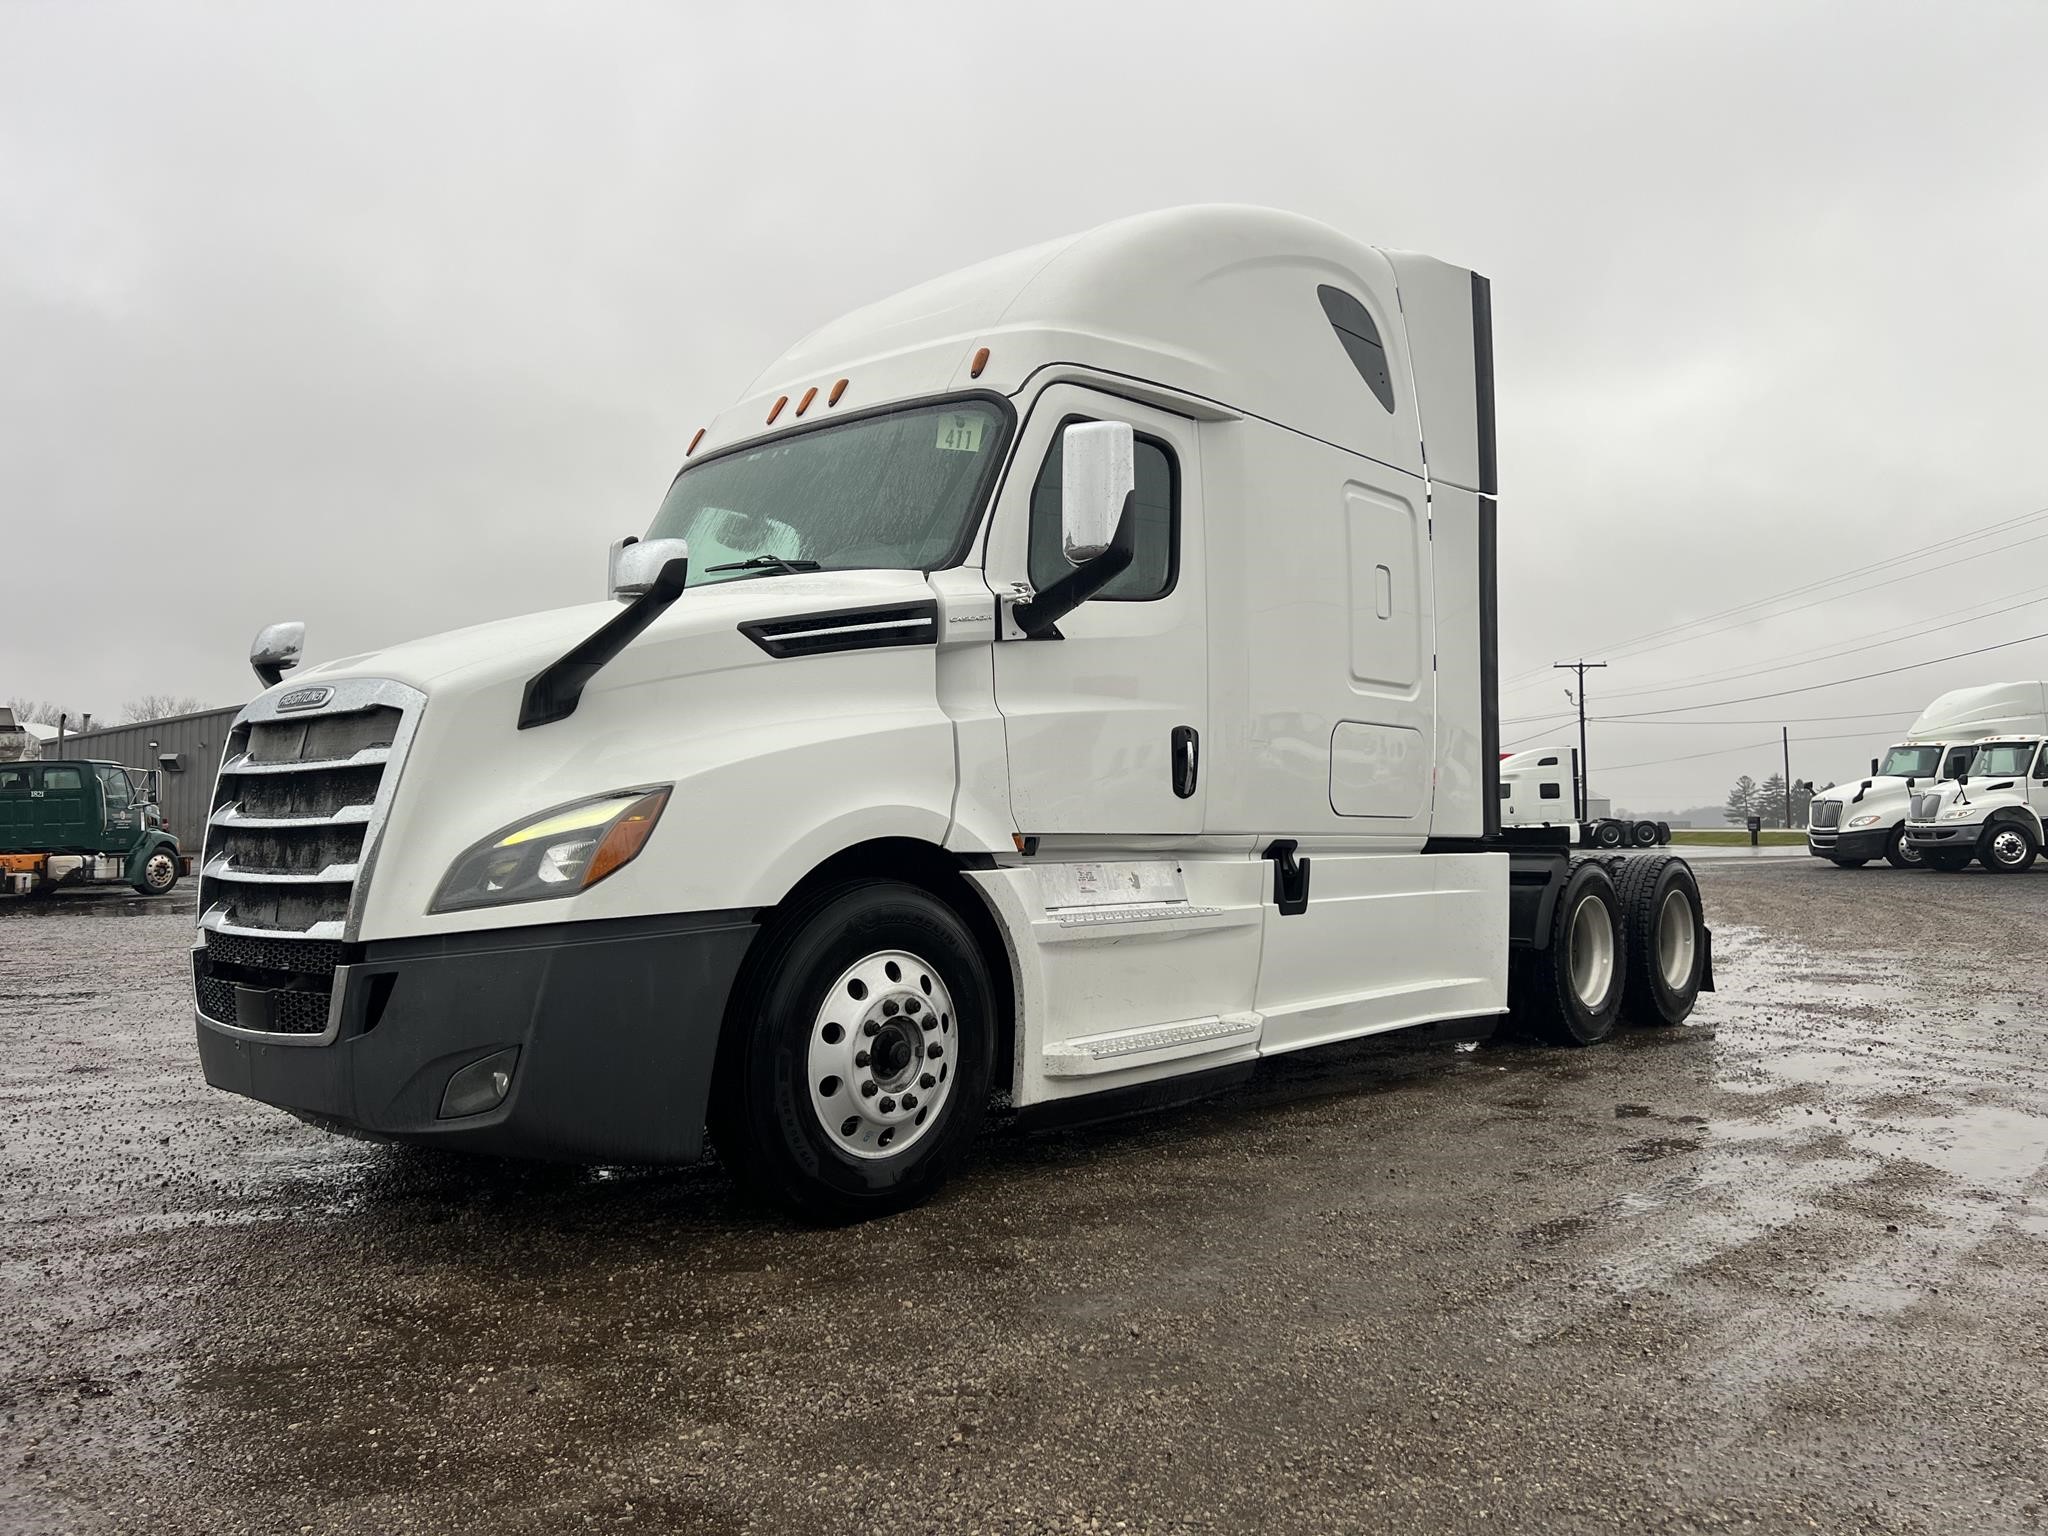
x=159, y=873
x=855, y=1065
x=1897, y=853
x=2008, y=847
x=1569, y=992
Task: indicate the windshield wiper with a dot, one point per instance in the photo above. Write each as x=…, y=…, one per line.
x=765, y=563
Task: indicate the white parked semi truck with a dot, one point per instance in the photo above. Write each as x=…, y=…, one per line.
x=1991, y=812
x=1865, y=819
x=1539, y=787
x=1073, y=679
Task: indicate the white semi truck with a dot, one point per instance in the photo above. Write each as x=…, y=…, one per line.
x=1991, y=812
x=1073, y=679
x=1865, y=819
x=1539, y=787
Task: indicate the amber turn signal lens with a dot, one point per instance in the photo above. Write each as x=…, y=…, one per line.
x=627, y=836
x=980, y=362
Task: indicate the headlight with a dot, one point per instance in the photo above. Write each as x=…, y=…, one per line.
x=556, y=853
x=1862, y=821
x=1958, y=813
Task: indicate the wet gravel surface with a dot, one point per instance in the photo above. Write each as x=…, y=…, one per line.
x=1781, y=1269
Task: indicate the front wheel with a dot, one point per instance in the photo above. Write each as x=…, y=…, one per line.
x=159, y=872
x=1898, y=852
x=2008, y=847
x=855, y=1064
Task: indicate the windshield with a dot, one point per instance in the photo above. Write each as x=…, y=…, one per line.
x=898, y=491
x=1911, y=762
x=2003, y=758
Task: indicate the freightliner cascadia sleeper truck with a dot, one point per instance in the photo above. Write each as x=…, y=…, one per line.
x=1070, y=680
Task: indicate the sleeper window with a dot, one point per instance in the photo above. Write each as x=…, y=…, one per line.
x=1157, y=510
x=62, y=778
x=1552, y=792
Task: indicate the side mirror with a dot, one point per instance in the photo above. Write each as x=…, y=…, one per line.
x=1873, y=767
x=276, y=649
x=1098, y=470
x=636, y=562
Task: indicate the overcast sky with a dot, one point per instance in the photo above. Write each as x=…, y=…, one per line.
x=390, y=318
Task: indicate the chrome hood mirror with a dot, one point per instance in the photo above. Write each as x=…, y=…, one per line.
x=276, y=649
x=636, y=562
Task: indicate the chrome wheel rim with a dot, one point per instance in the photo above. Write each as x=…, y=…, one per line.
x=2008, y=846
x=159, y=871
x=1907, y=852
x=1675, y=940
x=1592, y=951
x=881, y=1054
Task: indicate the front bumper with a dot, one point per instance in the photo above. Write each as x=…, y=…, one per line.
x=1865, y=843
x=1932, y=836
x=616, y=1025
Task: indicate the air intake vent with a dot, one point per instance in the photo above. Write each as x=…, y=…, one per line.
x=1827, y=813
x=848, y=629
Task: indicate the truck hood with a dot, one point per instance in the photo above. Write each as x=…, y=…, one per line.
x=700, y=631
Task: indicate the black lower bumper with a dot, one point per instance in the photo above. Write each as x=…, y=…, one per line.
x=615, y=1024
x=1864, y=845
x=1944, y=839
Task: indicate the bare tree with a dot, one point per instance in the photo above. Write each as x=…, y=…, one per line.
x=158, y=706
x=39, y=711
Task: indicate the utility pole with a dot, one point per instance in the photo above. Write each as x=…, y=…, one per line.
x=1785, y=738
x=1579, y=696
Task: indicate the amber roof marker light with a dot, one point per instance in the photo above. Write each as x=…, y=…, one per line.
x=980, y=362
x=805, y=403
x=694, y=442
x=837, y=390
x=776, y=409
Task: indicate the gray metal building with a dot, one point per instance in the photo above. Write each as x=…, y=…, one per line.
x=187, y=747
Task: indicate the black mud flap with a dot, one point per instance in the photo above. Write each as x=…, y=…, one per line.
x=1707, y=964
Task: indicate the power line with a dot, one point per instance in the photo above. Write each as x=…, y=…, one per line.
x=1629, y=646
x=1914, y=666
x=1736, y=674
x=1748, y=746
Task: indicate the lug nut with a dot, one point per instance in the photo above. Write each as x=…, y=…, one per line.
x=868, y=1089
x=889, y=1009
x=910, y=1005
x=935, y=1050
x=871, y=1029
x=910, y=1101
x=887, y=1106
x=860, y=1058
x=927, y=1081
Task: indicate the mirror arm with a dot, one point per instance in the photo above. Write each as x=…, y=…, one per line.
x=1037, y=617
x=271, y=673
x=553, y=692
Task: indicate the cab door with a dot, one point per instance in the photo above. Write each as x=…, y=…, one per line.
x=121, y=816
x=1106, y=724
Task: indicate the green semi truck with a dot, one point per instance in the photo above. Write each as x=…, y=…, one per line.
x=65, y=823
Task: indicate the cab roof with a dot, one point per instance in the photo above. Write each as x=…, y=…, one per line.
x=1229, y=308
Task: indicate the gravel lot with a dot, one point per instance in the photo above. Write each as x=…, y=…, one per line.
x=1781, y=1269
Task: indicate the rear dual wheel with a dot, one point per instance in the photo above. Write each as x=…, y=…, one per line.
x=1569, y=992
x=855, y=1065
x=1667, y=939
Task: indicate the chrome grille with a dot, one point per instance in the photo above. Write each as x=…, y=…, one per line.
x=297, y=812
x=1926, y=807
x=1827, y=813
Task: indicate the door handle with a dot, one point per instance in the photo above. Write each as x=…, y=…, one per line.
x=1187, y=753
